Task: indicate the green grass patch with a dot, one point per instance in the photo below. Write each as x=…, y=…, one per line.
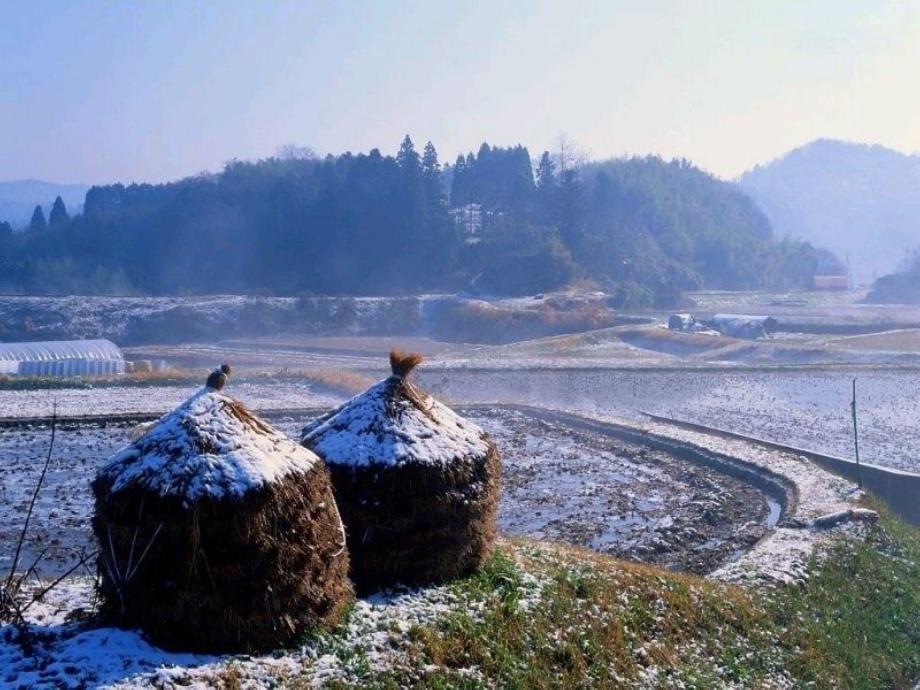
x=548, y=616
x=591, y=621
x=856, y=622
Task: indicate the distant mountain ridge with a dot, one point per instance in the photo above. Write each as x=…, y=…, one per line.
x=18, y=198
x=856, y=199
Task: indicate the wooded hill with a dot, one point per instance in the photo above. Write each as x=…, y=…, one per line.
x=642, y=228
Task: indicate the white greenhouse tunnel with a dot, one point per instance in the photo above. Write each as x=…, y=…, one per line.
x=61, y=358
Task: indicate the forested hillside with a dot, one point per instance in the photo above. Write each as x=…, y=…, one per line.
x=898, y=287
x=853, y=198
x=493, y=222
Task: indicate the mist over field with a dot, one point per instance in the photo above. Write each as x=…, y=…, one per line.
x=459, y=345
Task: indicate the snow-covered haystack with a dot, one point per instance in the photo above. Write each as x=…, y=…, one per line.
x=418, y=485
x=218, y=533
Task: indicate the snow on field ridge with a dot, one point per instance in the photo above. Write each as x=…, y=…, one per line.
x=782, y=556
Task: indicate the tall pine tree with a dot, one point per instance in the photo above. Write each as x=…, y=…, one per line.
x=547, y=191
x=459, y=186
x=408, y=159
x=413, y=241
x=431, y=177
x=571, y=210
x=38, y=221
x=58, y=214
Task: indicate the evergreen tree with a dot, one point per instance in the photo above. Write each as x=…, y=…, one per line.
x=38, y=220
x=472, y=181
x=413, y=243
x=571, y=210
x=546, y=173
x=58, y=214
x=459, y=186
x=442, y=241
x=408, y=159
x=546, y=190
x=431, y=177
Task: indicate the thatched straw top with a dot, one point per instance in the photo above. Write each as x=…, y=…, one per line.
x=392, y=423
x=402, y=363
x=209, y=446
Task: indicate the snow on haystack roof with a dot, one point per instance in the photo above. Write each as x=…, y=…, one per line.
x=392, y=423
x=209, y=446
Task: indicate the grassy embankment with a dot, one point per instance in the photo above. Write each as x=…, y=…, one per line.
x=545, y=616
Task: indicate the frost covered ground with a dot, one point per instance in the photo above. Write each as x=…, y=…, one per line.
x=804, y=407
x=589, y=489
x=156, y=399
x=560, y=483
x=583, y=488
x=807, y=408
x=617, y=498
x=67, y=652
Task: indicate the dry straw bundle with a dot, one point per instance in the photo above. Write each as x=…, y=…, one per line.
x=218, y=533
x=418, y=485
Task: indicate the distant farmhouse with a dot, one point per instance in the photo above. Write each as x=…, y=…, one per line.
x=830, y=283
x=61, y=358
x=468, y=219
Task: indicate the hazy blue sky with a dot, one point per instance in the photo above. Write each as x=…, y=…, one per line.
x=103, y=91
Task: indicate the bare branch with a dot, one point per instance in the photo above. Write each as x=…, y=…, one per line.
x=38, y=486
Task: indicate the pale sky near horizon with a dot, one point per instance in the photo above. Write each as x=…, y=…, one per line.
x=94, y=91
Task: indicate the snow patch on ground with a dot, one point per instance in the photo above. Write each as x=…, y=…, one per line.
x=72, y=654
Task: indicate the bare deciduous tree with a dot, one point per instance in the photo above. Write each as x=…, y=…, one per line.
x=569, y=154
x=294, y=152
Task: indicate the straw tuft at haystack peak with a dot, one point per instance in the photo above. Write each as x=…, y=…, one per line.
x=402, y=363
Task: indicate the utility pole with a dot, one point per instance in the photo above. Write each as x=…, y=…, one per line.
x=856, y=436
x=850, y=284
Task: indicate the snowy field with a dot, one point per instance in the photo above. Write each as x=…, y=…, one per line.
x=572, y=485
x=805, y=407
x=575, y=486
x=579, y=487
x=69, y=653
x=809, y=408
x=155, y=399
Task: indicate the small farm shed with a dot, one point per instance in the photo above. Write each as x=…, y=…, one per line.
x=61, y=358
x=741, y=325
x=681, y=322
x=841, y=283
